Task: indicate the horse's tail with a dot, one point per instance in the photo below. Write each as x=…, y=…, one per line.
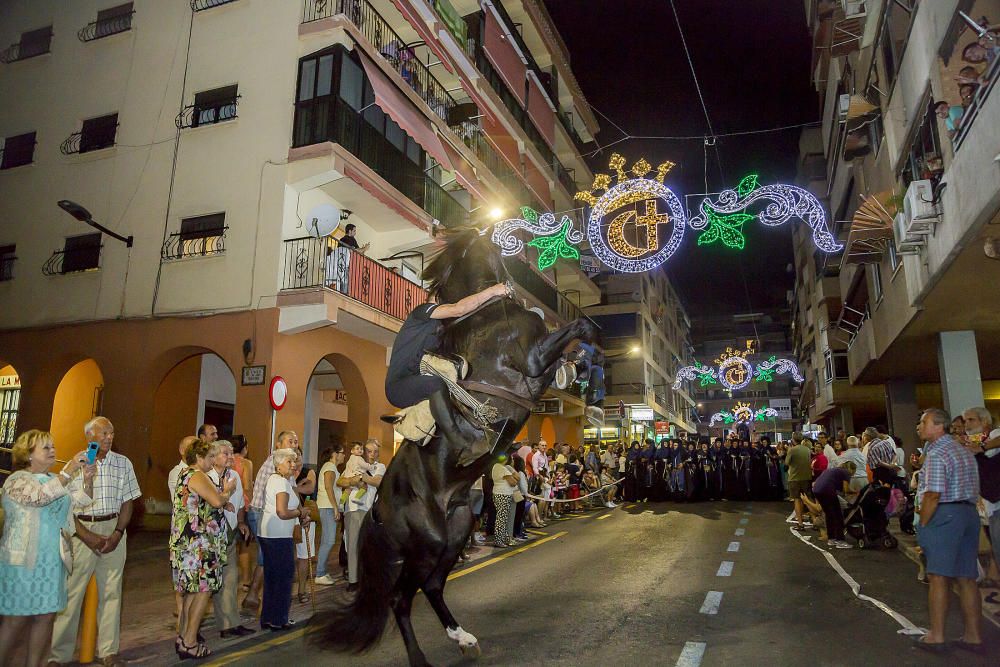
x=356, y=625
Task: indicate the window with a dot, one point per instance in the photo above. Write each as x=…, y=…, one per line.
x=34, y=43
x=98, y=133
x=214, y=106
x=9, y=400
x=202, y=235
x=7, y=258
x=923, y=160
x=893, y=257
x=892, y=40
x=18, y=150
x=835, y=366
x=113, y=20
x=876, y=282
x=81, y=253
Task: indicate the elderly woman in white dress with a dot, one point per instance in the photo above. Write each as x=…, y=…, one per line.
x=38, y=515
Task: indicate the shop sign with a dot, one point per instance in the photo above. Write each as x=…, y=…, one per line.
x=662, y=428
x=10, y=382
x=253, y=375
x=340, y=396
x=548, y=406
x=643, y=415
x=590, y=264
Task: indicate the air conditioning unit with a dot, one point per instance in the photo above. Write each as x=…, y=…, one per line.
x=844, y=106
x=907, y=243
x=854, y=8
x=919, y=208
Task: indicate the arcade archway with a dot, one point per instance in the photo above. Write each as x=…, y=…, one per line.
x=336, y=406
x=78, y=399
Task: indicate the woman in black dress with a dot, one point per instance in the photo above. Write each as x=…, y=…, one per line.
x=631, y=473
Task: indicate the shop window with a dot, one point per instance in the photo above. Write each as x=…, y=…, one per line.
x=9, y=401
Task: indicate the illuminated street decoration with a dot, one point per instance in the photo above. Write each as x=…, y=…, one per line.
x=734, y=371
x=623, y=238
x=723, y=219
x=742, y=413
x=636, y=223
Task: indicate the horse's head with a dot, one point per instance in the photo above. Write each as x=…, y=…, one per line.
x=468, y=263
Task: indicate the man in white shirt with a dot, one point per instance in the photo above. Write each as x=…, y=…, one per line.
x=227, y=613
x=540, y=460
x=356, y=508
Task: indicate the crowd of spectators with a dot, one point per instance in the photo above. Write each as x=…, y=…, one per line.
x=979, y=55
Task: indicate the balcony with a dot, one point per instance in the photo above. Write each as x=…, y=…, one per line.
x=311, y=263
x=533, y=283
x=7, y=266
x=73, y=260
x=975, y=108
x=565, y=178
x=202, y=5
x=198, y=115
x=180, y=245
x=34, y=43
x=97, y=133
x=107, y=26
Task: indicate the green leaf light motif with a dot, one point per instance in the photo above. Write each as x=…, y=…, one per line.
x=554, y=246
x=725, y=228
x=529, y=214
x=728, y=418
x=747, y=185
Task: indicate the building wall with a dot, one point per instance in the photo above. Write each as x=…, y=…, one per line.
x=72, y=406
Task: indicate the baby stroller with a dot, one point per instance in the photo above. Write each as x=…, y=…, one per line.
x=866, y=520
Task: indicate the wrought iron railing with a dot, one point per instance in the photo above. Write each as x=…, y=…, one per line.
x=566, y=178
x=180, y=245
x=96, y=140
x=23, y=51
x=442, y=206
x=7, y=268
x=74, y=260
x=106, y=27
x=196, y=115
x=533, y=283
x=322, y=262
x=202, y=5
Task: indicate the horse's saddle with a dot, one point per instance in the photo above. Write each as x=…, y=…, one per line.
x=416, y=422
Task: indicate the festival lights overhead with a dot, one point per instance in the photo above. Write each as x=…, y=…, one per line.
x=742, y=413
x=734, y=371
x=630, y=211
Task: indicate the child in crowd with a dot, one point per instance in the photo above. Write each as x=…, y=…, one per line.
x=610, y=488
x=355, y=466
x=559, y=485
x=544, y=506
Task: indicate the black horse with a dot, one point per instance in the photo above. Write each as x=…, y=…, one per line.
x=421, y=519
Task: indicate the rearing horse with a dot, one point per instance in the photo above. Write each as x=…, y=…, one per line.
x=421, y=519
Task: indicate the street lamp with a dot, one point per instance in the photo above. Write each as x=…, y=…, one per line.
x=83, y=215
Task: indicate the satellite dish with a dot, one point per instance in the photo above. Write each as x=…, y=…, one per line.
x=323, y=220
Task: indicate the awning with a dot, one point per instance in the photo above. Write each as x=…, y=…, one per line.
x=394, y=103
x=871, y=229
x=501, y=53
x=540, y=110
x=479, y=99
x=413, y=17
x=465, y=174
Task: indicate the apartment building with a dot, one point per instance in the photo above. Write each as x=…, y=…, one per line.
x=906, y=315
x=216, y=143
x=646, y=338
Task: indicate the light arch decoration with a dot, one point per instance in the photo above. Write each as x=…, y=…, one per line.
x=637, y=223
x=734, y=371
x=742, y=413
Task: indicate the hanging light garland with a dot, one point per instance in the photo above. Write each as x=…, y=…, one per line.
x=734, y=371
x=742, y=413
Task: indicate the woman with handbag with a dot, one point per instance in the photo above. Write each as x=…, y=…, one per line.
x=33, y=559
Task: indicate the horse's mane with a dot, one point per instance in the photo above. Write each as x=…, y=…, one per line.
x=467, y=255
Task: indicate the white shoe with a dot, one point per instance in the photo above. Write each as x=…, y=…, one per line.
x=325, y=580
x=840, y=544
x=610, y=505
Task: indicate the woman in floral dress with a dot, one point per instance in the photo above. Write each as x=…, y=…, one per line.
x=197, y=543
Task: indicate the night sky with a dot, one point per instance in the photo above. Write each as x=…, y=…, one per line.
x=752, y=59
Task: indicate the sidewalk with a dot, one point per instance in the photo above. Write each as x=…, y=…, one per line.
x=147, y=627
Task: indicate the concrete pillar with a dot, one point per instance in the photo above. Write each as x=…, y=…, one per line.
x=958, y=364
x=845, y=420
x=902, y=411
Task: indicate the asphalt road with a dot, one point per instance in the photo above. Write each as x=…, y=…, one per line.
x=632, y=586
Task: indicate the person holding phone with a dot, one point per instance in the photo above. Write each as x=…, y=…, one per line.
x=38, y=506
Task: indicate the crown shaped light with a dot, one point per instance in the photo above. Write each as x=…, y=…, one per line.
x=617, y=165
x=731, y=353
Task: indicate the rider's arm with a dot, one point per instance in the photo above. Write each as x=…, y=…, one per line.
x=447, y=311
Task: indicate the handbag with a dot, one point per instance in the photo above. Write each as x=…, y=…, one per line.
x=66, y=550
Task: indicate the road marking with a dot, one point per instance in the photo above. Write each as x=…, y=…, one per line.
x=740, y=532
x=692, y=654
x=506, y=554
x=908, y=627
x=296, y=634
x=536, y=532
x=711, y=603
x=733, y=546
x=744, y=522
x=726, y=569
x=628, y=507
x=604, y=516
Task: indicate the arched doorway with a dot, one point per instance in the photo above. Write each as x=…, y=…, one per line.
x=548, y=430
x=336, y=406
x=10, y=399
x=198, y=389
x=79, y=398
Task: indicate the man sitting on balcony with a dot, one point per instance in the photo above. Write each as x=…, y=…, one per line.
x=405, y=385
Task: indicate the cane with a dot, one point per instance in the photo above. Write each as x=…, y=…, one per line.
x=312, y=573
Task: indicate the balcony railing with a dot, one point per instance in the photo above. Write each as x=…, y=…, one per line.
x=202, y=5
x=106, y=27
x=322, y=262
x=7, y=268
x=533, y=283
x=179, y=245
x=196, y=115
x=25, y=50
x=473, y=136
x=442, y=206
x=565, y=178
x=75, y=260
x=972, y=112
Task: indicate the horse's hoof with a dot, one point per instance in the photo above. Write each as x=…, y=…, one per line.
x=471, y=650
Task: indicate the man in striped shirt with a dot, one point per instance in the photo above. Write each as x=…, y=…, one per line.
x=881, y=452
x=949, y=530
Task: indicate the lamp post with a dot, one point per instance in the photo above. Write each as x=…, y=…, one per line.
x=83, y=215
